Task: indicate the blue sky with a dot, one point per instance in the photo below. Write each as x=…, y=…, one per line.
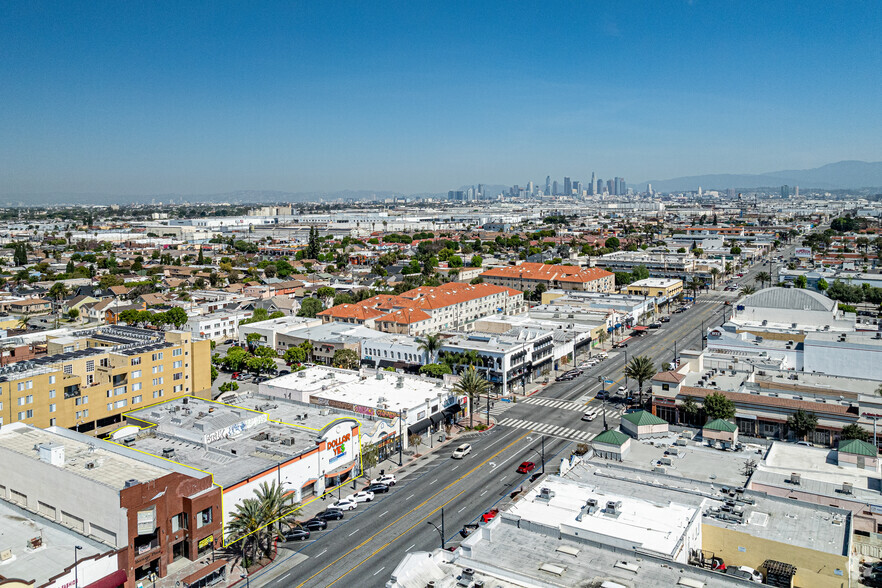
x=204, y=97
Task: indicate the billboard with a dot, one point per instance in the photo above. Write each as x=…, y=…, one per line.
x=803, y=252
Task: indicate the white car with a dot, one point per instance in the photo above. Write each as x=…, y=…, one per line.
x=345, y=504
x=388, y=479
x=622, y=390
x=589, y=416
x=461, y=451
x=363, y=496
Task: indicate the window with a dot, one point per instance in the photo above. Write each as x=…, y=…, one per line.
x=157, y=394
x=21, y=401
x=178, y=388
x=136, y=386
x=68, y=369
x=90, y=365
x=81, y=400
x=157, y=356
x=177, y=364
x=25, y=385
x=178, y=522
x=51, y=393
x=51, y=379
x=157, y=381
x=120, y=403
x=110, y=406
x=136, y=374
x=119, y=390
x=51, y=408
x=177, y=352
x=21, y=416
x=178, y=376
x=203, y=518
x=136, y=399
x=136, y=361
x=157, y=369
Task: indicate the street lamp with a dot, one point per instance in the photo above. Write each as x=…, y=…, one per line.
x=247, y=579
x=431, y=423
x=402, y=414
x=439, y=529
x=77, y=549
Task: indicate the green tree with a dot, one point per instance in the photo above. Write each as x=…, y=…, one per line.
x=73, y=313
x=747, y=290
x=854, y=431
x=346, y=359
x=310, y=307
x=295, y=355
x=370, y=456
x=58, y=290
x=612, y=243
x=258, y=365
x=24, y=321
x=690, y=408
x=762, y=278
x=264, y=351
x=246, y=522
x=641, y=369
x=639, y=273
x=313, y=249
x=436, y=370
x=472, y=384
x=176, y=316
x=235, y=359
x=476, y=261
x=717, y=406
x=802, y=423
x=800, y=282
x=823, y=284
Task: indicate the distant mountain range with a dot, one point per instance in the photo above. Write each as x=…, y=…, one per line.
x=841, y=175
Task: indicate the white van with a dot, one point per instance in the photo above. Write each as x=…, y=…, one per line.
x=461, y=451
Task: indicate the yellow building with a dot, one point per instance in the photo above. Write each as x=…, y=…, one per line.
x=88, y=380
x=655, y=287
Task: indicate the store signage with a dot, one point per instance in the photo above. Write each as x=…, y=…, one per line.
x=207, y=541
x=802, y=252
x=338, y=446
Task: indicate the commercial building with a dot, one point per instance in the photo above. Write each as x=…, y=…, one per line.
x=666, y=288
x=217, y=325
x=241, y=447
x=90, y=377
x=527, y=276
x=152, y=511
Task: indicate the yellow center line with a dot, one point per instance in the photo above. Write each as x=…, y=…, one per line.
x=372, y=537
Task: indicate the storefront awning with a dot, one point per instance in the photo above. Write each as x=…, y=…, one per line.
x=308, y=482
x=436, y=418
x=741, y=415
x=207, y=570
x=340, y=472
x=114, y=580
x=419, y=427
x=453, y=409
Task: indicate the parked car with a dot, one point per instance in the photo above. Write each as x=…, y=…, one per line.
x=564, y=378
x=295, y=535
x=746, y=573
x=388, y=479
x=377, y=488
x=461, y=451
x=526, y=467
x=345, y=504
x=655, y=325
x=665, y=319
x=620, y=345
x=363, y=496
x=330, y=514
x=315, y=524
x=489, y=515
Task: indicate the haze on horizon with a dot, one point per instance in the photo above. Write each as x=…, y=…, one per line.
x=135, y=98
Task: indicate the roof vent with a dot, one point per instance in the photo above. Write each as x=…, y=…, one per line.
x=131, y=482
x=795, y=478
x=846, y=488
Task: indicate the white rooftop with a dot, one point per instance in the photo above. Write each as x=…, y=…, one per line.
x=657, y=527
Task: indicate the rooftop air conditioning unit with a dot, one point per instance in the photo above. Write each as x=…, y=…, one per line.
x=847, y=487
x=795, y=478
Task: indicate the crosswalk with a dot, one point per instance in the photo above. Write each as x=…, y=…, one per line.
x=561, y=404
x=550, y=430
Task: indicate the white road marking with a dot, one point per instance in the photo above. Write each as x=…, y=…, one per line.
x=435, y=480
x=409, y=497
x=484, y=492
x=411, y=547
x=380, y=570
x=454, y=467
x=322, y=553
x=462, y=509
x=353, y=533
x=385, y=513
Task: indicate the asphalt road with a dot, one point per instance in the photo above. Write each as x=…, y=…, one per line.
x=366, y=546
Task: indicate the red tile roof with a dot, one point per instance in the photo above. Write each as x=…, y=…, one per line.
x=546, y=272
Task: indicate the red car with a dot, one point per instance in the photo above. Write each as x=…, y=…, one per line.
x=488, y=516
x=526, y=467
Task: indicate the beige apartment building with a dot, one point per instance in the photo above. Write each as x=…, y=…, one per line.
x=89, y=379
x=527, y=276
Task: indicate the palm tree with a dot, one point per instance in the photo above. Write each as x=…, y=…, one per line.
x=472, y=384
x=279, y=507
x=58, y=290
x=641, y=369
x=23, y=321
x=695, y=285
x=714, y=273
x=762, y=278
x=430, y=346
x=747, y=290
x=245, y=524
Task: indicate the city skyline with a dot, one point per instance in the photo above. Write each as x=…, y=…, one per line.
x=143, y=100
